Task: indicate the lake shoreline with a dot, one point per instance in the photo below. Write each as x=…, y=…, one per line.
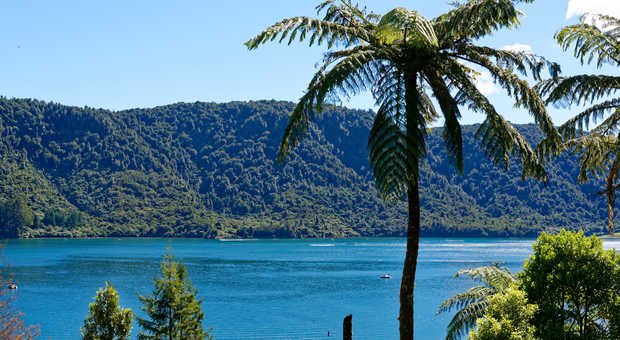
x=275, y=238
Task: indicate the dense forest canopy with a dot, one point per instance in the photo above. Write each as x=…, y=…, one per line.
x=208, y=170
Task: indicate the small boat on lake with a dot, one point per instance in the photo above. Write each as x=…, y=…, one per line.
x=12, y=286
x=386, y=276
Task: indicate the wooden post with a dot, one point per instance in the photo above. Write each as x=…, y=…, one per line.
x=347, y=328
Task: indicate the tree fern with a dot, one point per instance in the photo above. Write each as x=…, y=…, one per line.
x=409, y=62
x=598, y=148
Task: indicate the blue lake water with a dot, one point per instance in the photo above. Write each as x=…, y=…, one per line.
x=256, y=289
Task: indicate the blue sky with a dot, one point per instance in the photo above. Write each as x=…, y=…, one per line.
x=126, y=54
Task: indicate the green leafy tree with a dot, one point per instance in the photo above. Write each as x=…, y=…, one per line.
x=576, y=285
x=611, y=313
x=509, y=316
x=106, y=320
x=599, y=148
x=405, y=59
x=14, y=216
x=173, y=310
x=473, y=303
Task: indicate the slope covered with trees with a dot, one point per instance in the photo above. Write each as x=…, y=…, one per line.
x=209, y=170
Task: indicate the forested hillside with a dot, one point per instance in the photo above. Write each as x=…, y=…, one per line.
x=208, y=170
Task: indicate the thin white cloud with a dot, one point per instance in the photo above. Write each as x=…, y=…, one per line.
x=580, y=7
x=485, y=84
x=517, y=47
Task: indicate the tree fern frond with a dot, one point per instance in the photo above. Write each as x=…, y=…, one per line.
x=452, y=134
x=315, y=30
x=415, y=124
x=493, y=275
x=578, y=89
x=610, y=124
x=356, y=52
x=524, y=63
x=350, y=75
x=581, y=122
x=499, y=139
x=390, y=92
x=490, y=15
x=519, y=89
x=459, y=301
x=590, y=42
x=595, y=152
x=393, y=156
x=346, y=13
x=388, y=156
x=465, y=319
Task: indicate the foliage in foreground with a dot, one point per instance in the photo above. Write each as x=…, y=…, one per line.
x=509, y=316
x=173, y=311
x=473, y=304
x=576, y=286
x=569, y=289
x=106, y=320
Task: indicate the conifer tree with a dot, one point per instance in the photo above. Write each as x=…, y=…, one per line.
x=173, y=310
x=107, y=321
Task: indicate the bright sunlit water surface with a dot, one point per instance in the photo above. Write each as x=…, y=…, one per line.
x=257, y=289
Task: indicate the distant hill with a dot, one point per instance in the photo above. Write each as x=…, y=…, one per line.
x=208, y=170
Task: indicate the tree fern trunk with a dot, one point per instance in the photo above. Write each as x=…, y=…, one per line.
x=407, y=284
x=611, y=197
x=610, y=214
